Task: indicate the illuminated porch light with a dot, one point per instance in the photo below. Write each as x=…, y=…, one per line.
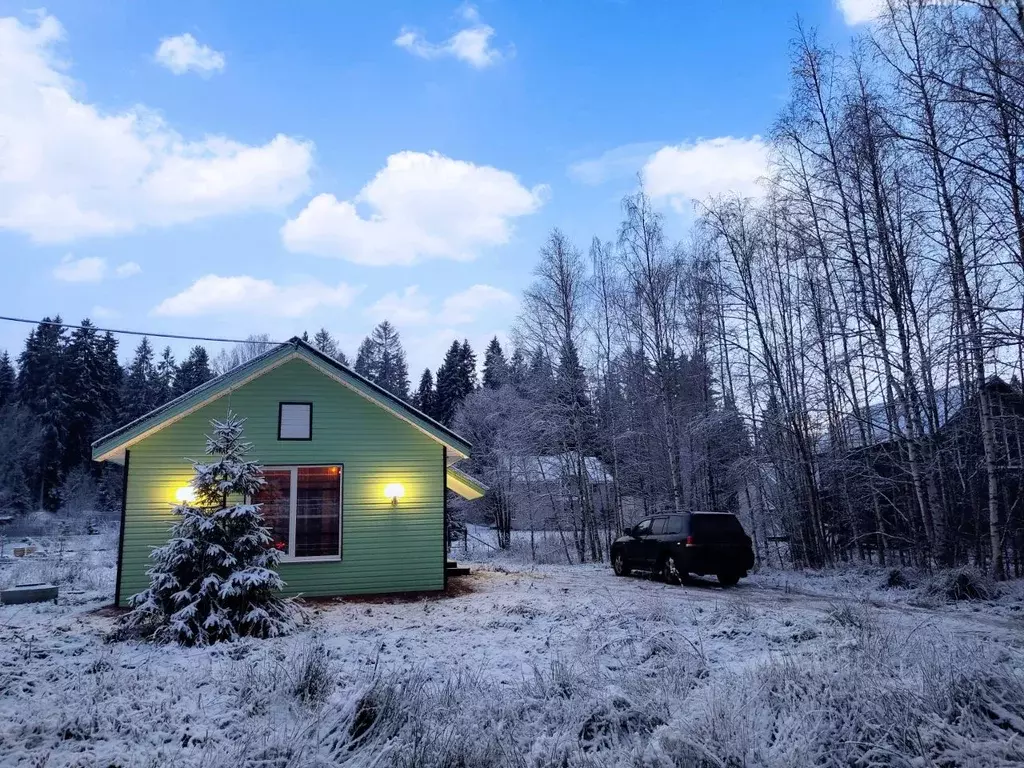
x=185, y=495
x=394, y=491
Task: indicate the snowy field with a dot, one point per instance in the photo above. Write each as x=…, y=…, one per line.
x=551, y=665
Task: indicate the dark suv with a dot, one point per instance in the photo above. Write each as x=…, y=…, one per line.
x=695, y=542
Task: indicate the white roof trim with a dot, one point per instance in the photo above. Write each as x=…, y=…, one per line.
x=117, y=454
x=341, y=380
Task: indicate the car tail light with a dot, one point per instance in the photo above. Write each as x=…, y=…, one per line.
x=690, y=542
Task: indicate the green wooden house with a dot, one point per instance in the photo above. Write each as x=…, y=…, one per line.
x=356, y=478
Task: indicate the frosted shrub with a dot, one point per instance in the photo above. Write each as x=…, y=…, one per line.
x=897, y=579
x=215, y=579
x=315, y=679
x=965, y=583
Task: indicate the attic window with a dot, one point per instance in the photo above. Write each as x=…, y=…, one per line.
x=295, y=421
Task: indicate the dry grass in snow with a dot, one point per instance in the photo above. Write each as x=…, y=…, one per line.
x=553, y=666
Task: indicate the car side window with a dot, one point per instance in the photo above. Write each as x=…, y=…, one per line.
x=642, y=528
x=675, y=524
x=658, y=526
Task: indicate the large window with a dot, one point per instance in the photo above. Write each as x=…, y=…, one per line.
x=302, y=509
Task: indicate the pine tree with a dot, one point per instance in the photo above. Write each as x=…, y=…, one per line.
x=166, y=372
x=456, y=378
x=20, y=438
x=111, y=381
x=8, y=380
x=215, y=580
x=496, y=371
x=540, y=378
x=140, y=391
x=365, y=359
x=193, y=371
x=446, y=400
x=381, y=359
x=324, y=342
x=392, y=370
x=577, y=421
x=467, y=369
x=425, y=395
x=86, y=411
x=517, y=370
x=41, y=389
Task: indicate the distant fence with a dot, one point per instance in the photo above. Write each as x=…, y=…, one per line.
x=52, y=524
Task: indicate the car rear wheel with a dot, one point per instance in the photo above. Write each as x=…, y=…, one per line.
x=728, y=579
x=619, y=565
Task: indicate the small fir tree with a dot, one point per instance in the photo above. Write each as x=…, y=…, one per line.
x=495, y=366
x=381, y=359
x=8, y=380
x=329, y=346
x=166, y=373
x=424, y=396
x=456, y=378
x=193, y=371
x=215, y=579
x=140, y=387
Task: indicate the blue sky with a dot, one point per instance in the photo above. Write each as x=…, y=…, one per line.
x=232, y=168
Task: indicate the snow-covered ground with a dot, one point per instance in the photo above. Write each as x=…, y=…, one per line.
x=529, y=666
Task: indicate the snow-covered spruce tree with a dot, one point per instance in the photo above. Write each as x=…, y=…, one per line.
x=215, y=579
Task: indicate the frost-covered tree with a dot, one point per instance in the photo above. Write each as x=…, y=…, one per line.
x=254, y=345
x=215, y=579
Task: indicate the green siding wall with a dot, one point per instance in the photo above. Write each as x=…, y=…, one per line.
x=385, y=548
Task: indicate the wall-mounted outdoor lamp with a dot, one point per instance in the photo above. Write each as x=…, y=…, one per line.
x=394, y=491
x=185, y=495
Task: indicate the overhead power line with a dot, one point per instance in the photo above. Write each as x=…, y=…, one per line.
x=133, y=333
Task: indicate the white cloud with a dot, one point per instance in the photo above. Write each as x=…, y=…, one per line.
x=412, y=308
x=103, y=313
x=91, y=269
x=707, y=167
x=70, y=170
x=421, y=206
x=216, y=295
x=184, y=53
x=88, y=270
x=470, y=304
x=471, y=45
x=619, y=162
x=127, y=269
x=860, y=11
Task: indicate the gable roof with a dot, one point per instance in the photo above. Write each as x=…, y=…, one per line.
x=879, y=428
x=111, y=447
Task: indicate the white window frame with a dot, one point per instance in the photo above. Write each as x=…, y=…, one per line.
x=293, y=506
